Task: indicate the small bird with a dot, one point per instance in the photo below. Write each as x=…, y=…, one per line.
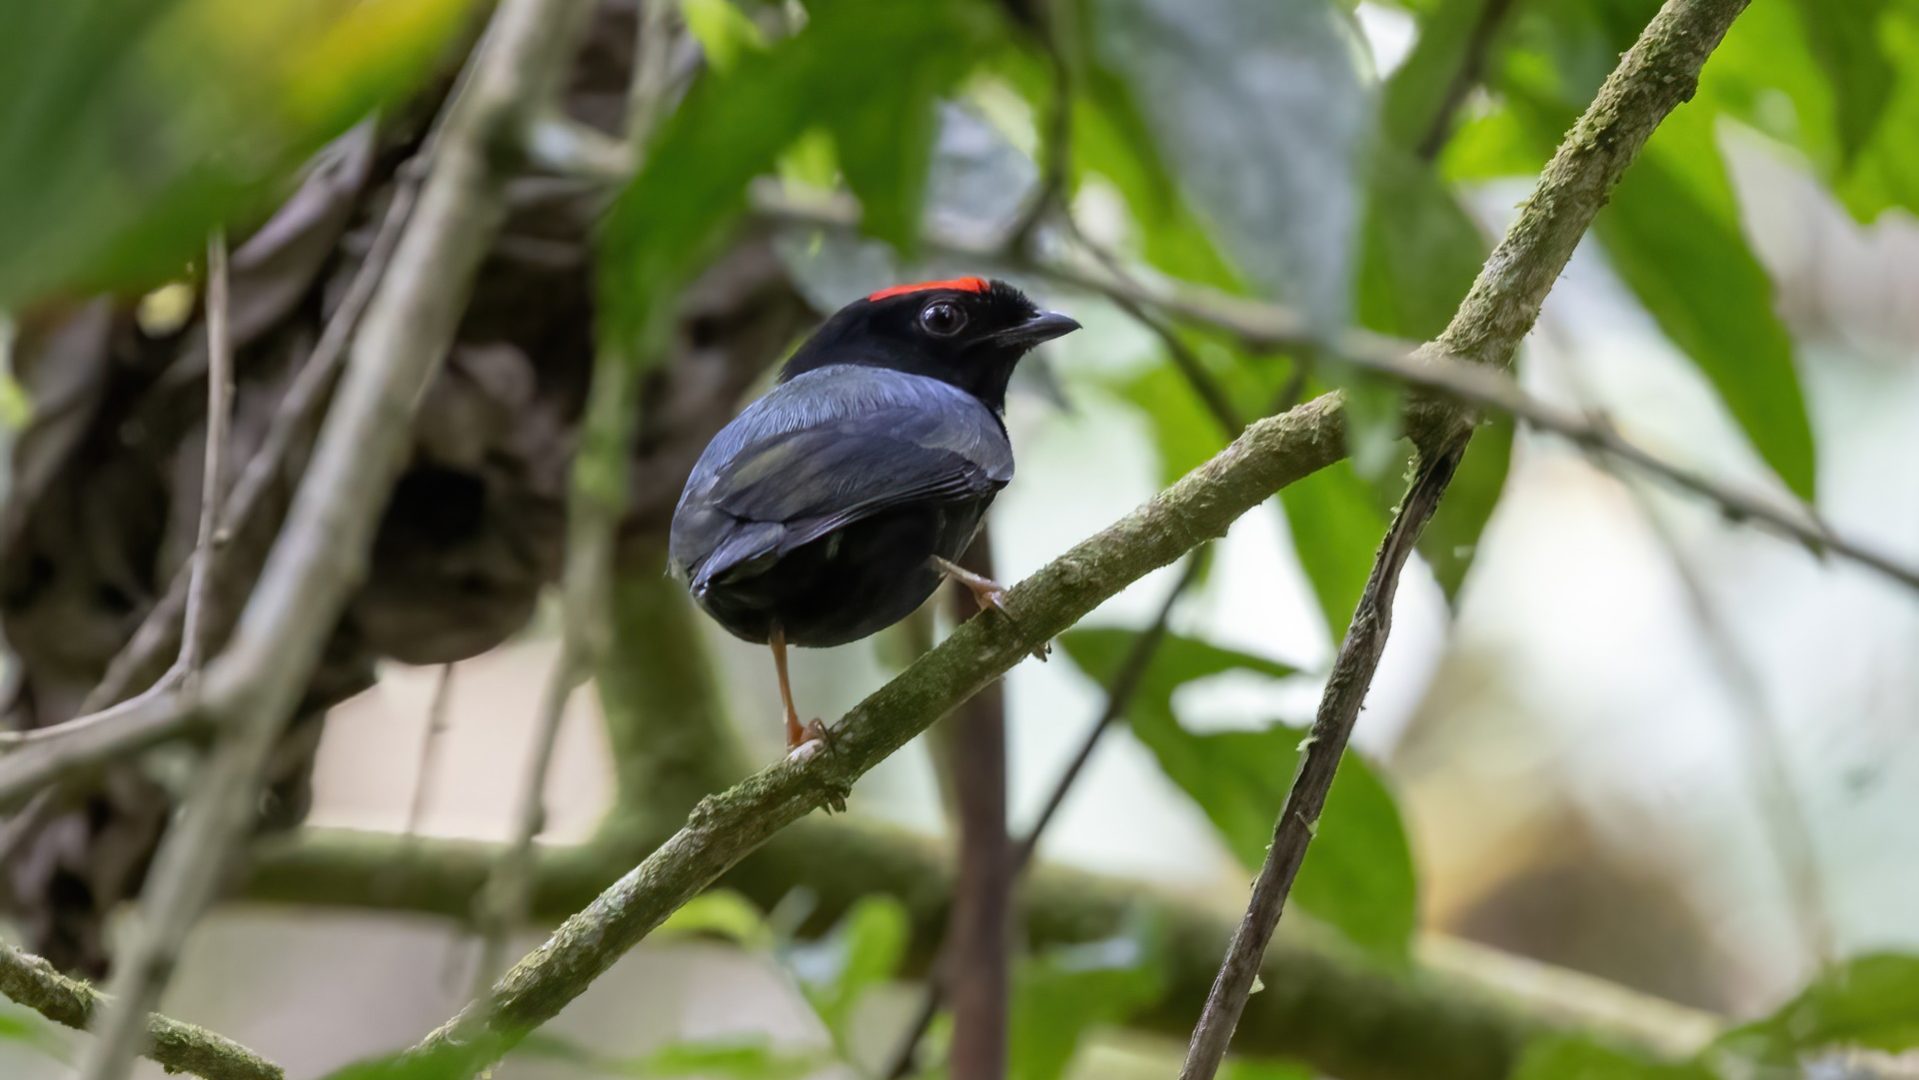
x=830, y=508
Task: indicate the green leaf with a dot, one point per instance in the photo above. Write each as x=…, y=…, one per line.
x=1419, y=253
x=867, y=71
x=723, y=31
x=750, y=1058
x=1844, y=38
x=1871, y=1002
x=446, y=1061
x=1672, y=231
x=862, y=952
x=1256, y=107
x=1337, y=525
x=1249, y=1069
x=21, y=1026
x=1061, y=995
x=1422, y=85
x=1573, y=1058
x=720, y=913
x=1678, y=246
x=148, y=122
x=1358, y=876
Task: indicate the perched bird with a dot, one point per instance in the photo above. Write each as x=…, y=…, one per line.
x=829, y=509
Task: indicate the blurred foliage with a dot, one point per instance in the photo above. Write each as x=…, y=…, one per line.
x=132, y=127
x=866, y=73
x=864, y=951
x=29, y=1029
x=1574, y=1058
x=1870, y=1002
x=1061, y=995
x=1358, y=877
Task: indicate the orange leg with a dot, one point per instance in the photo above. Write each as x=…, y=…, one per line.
x=797, y=734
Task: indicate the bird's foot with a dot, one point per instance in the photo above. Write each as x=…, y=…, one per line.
x=807, y=741
x=803, y=741
x=988, y=595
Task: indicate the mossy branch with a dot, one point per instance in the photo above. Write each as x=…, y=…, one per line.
x=174, y=1045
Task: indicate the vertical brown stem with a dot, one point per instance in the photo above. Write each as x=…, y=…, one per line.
x=979, y=931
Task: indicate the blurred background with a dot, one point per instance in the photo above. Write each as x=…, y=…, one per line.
x=1634, y=788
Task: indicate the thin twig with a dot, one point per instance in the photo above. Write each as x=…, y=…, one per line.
x=173, y=1045
x=436, y=713
x=1472, y=62
x=1652, y=79
x=1127, y=679
x=1787, y=826
x=194, y=630
x=252, y=688
x=1785, y=817
x=1481, y=386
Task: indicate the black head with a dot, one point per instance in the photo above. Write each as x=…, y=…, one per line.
x=969, y=332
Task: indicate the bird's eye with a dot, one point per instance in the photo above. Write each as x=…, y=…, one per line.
x=942, y=318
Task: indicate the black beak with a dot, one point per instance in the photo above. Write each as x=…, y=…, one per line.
x=1045, y=326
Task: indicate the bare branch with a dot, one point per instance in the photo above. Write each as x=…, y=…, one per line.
x=436, y=711
x=1652, y=79
x=321, y=553
x=175, y=1046
x=193, y=632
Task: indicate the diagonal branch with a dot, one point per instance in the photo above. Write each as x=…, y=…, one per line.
x=725, y=828
x=1653, y=78
x=174, y=1045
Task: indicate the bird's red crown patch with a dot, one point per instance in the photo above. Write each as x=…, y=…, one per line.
x=964, y=284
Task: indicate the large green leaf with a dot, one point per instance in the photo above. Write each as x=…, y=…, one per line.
x=750, y=1058
x=446, y=1061
x=1677, y=243
x=1844, y=38
x=1257, y=109
x=1672, y=231
x=1574, y=1058
x=1871, y=1002
x=133, y=127
x=1063, y=993
x=868, y=71
x=1358, y=876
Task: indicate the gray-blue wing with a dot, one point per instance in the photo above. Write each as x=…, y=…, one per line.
x=824, y=450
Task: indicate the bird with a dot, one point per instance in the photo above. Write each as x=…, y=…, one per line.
x=833, y=506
